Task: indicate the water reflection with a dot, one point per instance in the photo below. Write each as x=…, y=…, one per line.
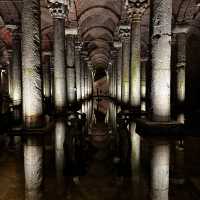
x=95, y=155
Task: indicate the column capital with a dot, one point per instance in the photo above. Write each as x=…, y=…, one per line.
x=124, y=32
x=136, y=9
x=57, y=8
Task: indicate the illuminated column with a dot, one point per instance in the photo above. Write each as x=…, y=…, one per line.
x=9, y=71
x=58, y=12
x=16, y=75
x=119, y=71
x=160, y=170
x=71, y=76
x=90, y=78
x=125, y=35
x=135, y=10
x=143, y=85
x=86, y=79
x=161, y=17
x=32, y=99
x=111, y=79
x=181, y=64
x=78, y=71
x=114, y=55
x=82, y=79
x=47, y=78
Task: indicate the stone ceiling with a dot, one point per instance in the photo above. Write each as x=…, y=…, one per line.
x=96, y=20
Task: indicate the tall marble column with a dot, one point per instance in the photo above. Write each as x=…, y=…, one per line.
x=114, y=55
x=119, y=71
x=78, y=70
x=16, y=74
x=58, y=12
x=70, y=72
x=32, y=99
x=161, y=16
x=82, y=78
x=135, y=11
x=125, y=36
x=180, y=68
x=47, y=79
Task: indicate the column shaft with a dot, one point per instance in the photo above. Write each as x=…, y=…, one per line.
x=59, y=64
x=119, y=75
x=135, y=65
x=161, y=15
x=78, y=73
x=71, y=76
x=32, y=98
x=125, y=70
x=16, y=75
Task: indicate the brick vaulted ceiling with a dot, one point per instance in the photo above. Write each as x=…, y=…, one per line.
x=97, y=21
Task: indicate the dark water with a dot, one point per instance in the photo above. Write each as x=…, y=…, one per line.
x=110, y=165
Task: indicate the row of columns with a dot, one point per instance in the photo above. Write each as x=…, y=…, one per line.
x=69, y=81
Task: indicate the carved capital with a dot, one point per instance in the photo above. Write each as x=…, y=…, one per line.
x=58, y=10
x=136, y=9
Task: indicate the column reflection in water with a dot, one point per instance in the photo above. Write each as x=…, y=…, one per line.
x=60, y=129
x=135, y=153
x=160, y=170
x=33, y=168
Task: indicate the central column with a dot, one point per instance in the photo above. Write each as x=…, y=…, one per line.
x=32, y=99
x=161, y=18
x=135, y=12
x=180, y=68
x=71, y=77
x=161, y=15
x=125, y=35
x=58, y=12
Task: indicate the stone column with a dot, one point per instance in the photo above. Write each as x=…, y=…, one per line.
x=70, y=72
x=114, y=55
x=82, y=79
x=9, y=71
x=47, y=79
x=143, y=84
x=135, y=10
x=32, y=99
x=161, y=16
x=58, y=12
x=16, y=75
x=78, y=70
x=86, y=79
x=119, y=71
x=125, y=35
x=90, y=78
x=180, y=68
x=110, y=69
